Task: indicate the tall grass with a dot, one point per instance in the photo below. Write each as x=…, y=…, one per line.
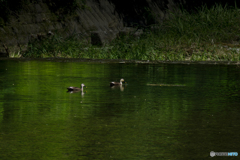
x=219, y=23
x=208, y=34
x=55, y=46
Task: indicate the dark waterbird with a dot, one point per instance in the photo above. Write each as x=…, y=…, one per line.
x=117, y=83
x=76, y=89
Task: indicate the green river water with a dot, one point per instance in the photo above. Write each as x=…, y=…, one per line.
x=164, y=111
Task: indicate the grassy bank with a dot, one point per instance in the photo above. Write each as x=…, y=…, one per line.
x=209, y=34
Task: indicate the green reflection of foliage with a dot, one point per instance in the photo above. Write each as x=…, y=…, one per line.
x=38, y=116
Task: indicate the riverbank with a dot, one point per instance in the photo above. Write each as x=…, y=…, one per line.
x=121, y=61
x=210, y=34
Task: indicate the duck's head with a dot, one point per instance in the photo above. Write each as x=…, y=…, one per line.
x=82, y=85
x=122, y=80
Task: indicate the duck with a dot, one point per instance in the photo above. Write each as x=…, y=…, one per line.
x=76, y=89
x=116, y=83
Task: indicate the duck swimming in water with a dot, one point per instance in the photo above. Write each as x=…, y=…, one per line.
x=76, y=89
x=116, y=83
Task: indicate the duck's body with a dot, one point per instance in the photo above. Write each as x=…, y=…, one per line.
x=76, y=89
x=121, y=87
x=116, y=83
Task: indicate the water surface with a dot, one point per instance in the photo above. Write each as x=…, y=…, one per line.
x=193, y=110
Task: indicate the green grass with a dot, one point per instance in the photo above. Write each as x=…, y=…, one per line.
x=208, y=34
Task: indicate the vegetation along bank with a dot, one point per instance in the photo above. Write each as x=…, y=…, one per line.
x=207, y=34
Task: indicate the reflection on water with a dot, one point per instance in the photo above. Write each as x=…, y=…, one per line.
x=165, y=111
x=76, y=91
x=120, y=87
